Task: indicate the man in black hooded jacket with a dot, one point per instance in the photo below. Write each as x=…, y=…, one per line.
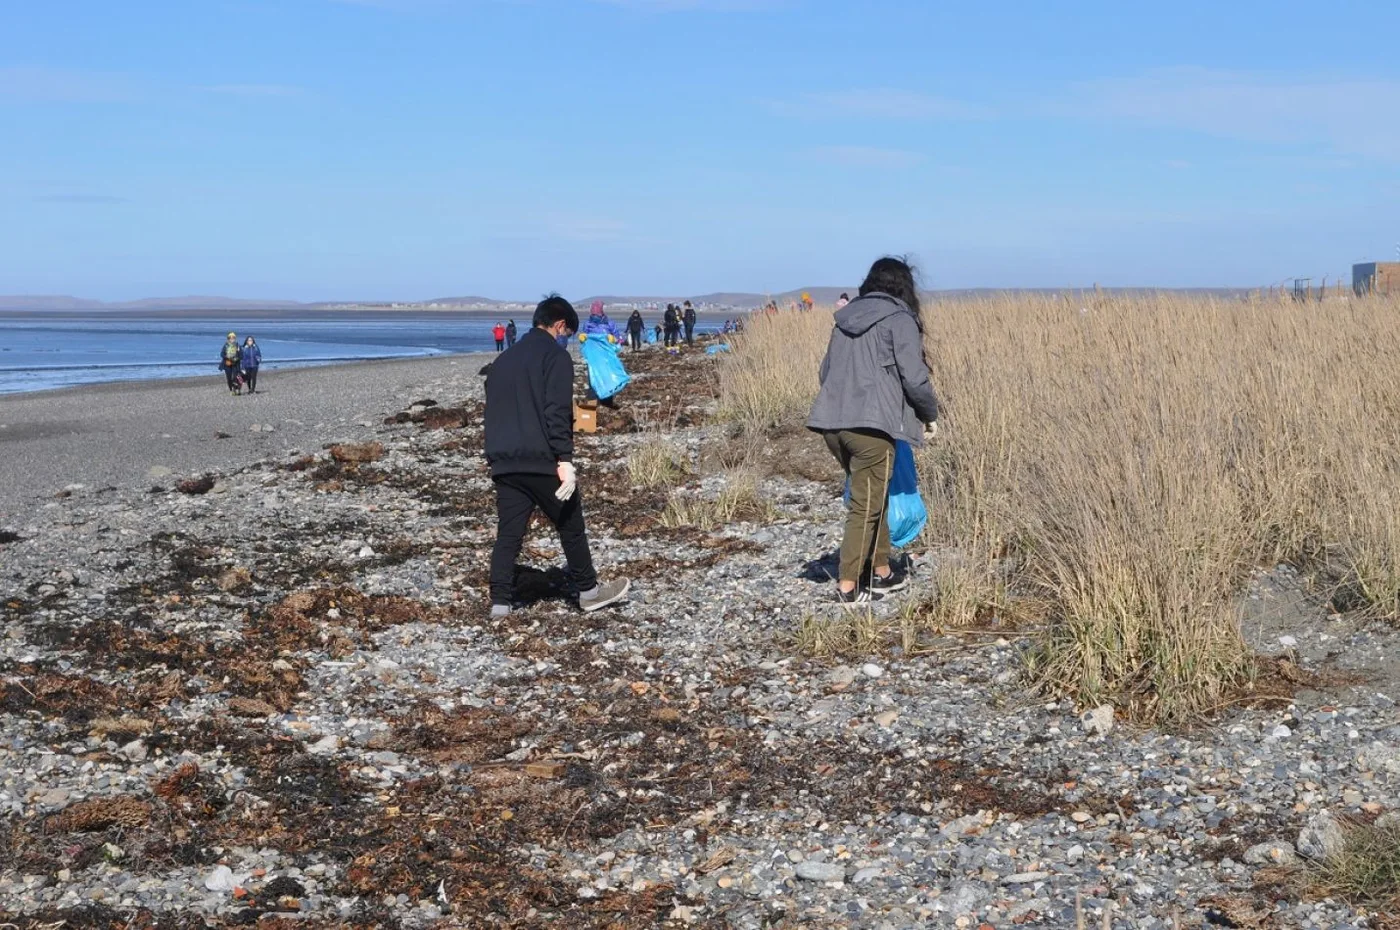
x=530, y=448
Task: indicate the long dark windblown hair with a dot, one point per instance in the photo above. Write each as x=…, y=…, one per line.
x=893, y=276
x=897, y=277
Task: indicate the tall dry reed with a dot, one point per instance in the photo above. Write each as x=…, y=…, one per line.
x=1122, y=463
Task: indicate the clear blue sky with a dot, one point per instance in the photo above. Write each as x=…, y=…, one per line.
x=336, y=149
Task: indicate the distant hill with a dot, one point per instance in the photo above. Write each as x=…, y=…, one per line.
x=716, y=301
x=70, y=304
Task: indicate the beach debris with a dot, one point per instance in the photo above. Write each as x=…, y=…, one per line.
x=250, y=707
x=231, y=579
x=100, y=814
x=201, y=485
x=357, y=452
x=546, y=769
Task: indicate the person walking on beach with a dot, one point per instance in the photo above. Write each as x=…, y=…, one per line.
x=635, y=325
x=688, y=317
x=229, y=357
x=510, y=334
x=874, y=390
x=250, y=358
x=498, y=332
x=599, y=326
x=529, y=446
x=673, y=325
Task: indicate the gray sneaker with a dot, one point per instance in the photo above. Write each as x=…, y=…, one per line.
x=604, y=595
x=500, y=610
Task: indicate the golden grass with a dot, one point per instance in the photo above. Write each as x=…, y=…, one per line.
x=737, y=499
x=654, y=462
x=1124, y=462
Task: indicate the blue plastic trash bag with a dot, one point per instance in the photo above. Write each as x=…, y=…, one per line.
x=717, y=348
x=907, y=514
x=605, y=371
x=651, y=336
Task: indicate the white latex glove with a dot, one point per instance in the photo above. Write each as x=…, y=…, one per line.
x=931, y=429
x=568, y=481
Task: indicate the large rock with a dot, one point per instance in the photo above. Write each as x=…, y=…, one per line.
x=1322, y=839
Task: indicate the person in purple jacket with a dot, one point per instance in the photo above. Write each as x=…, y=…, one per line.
x=598, y=324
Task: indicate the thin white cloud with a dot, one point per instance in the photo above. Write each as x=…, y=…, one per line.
x=63, y=85
x=256, y=90
x=878, y=103
x=1347, y=116
x=865, y=156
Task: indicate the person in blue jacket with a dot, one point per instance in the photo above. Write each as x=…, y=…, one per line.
x=249, y=362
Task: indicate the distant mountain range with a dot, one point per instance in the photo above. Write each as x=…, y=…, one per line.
x=720, y=300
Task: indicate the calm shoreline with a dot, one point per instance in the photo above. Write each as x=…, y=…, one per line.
x=127, y=434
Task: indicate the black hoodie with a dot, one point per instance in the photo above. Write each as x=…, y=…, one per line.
x=530, y=407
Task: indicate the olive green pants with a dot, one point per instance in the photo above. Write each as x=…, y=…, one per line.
x=868, y=458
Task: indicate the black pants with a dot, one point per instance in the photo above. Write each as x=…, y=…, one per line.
x=250, y=378
x=690, y=334
x=673, y=335
x=500, y=345
x=634, y=338
x=231, y=375
x=517, y=498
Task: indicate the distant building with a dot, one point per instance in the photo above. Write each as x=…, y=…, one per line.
x=1376, y=278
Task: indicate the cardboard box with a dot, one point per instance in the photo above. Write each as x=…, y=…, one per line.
x=586, y=417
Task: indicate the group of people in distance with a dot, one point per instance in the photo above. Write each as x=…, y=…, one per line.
x=875, y=391
x=240, y=364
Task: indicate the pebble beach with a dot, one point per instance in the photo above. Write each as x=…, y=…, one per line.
x=248, y=676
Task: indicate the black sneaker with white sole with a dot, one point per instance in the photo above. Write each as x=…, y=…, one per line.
x=860, y=597
x=888, y=584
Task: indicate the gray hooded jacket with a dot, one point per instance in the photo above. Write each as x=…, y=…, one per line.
x=874, y=376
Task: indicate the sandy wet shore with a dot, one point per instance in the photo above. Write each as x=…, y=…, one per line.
x=115, y=434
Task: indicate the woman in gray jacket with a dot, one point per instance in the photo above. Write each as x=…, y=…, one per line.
x=874, y=390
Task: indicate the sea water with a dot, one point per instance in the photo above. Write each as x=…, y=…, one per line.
x=40, y=353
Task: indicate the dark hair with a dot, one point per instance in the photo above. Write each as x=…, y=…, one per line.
x=552, y=310
x=893, y=276
x=845, y=296
x=897, y=278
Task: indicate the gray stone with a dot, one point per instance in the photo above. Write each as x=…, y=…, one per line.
x=821, y=871
x=1321, y=839
x=1099, y=721
x=1025, y=878
x=1274, y=852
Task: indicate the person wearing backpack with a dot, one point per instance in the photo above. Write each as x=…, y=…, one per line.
x=875, y=390
x=229, y=358
x=511, y=333
x=249, y=358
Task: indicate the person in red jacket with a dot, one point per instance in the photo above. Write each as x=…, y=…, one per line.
x=500, y=333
